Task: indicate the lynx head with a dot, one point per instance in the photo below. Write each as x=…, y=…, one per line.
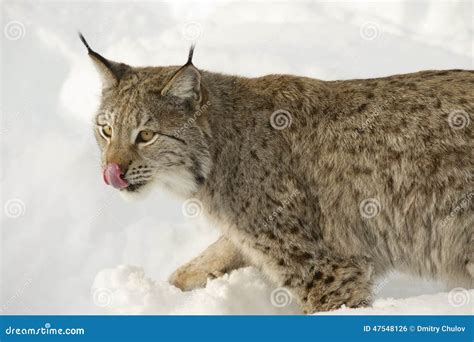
x=150, y=126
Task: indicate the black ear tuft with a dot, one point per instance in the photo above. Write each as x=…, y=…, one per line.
x=83, y=40
x=190, y=56
x=106, y=62
x=186, y=81
x=110, y=71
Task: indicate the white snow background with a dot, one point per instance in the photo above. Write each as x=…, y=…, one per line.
x=68, y=242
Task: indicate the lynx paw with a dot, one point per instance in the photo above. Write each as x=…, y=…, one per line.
x=190, y=277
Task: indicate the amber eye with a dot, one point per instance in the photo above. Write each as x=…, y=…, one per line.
x=106, y=131
x=145, y=136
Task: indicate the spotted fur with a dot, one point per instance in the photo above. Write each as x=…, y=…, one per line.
x=323, y=185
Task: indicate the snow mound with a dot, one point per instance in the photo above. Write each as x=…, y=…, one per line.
x=127, y=290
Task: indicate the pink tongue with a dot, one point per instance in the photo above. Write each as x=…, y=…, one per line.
x=113, y=176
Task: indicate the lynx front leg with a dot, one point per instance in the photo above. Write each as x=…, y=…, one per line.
x=330, y=283
x=219, y=258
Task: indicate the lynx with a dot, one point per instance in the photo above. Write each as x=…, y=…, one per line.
x=322, y=185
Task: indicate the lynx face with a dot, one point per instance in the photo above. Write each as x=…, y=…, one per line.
x=145, y=130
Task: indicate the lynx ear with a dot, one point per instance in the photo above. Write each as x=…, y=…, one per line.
x=186, y=82
x=110, y=72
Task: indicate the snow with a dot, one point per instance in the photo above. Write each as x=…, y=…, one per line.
x=68, y=242
x=127, y=290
